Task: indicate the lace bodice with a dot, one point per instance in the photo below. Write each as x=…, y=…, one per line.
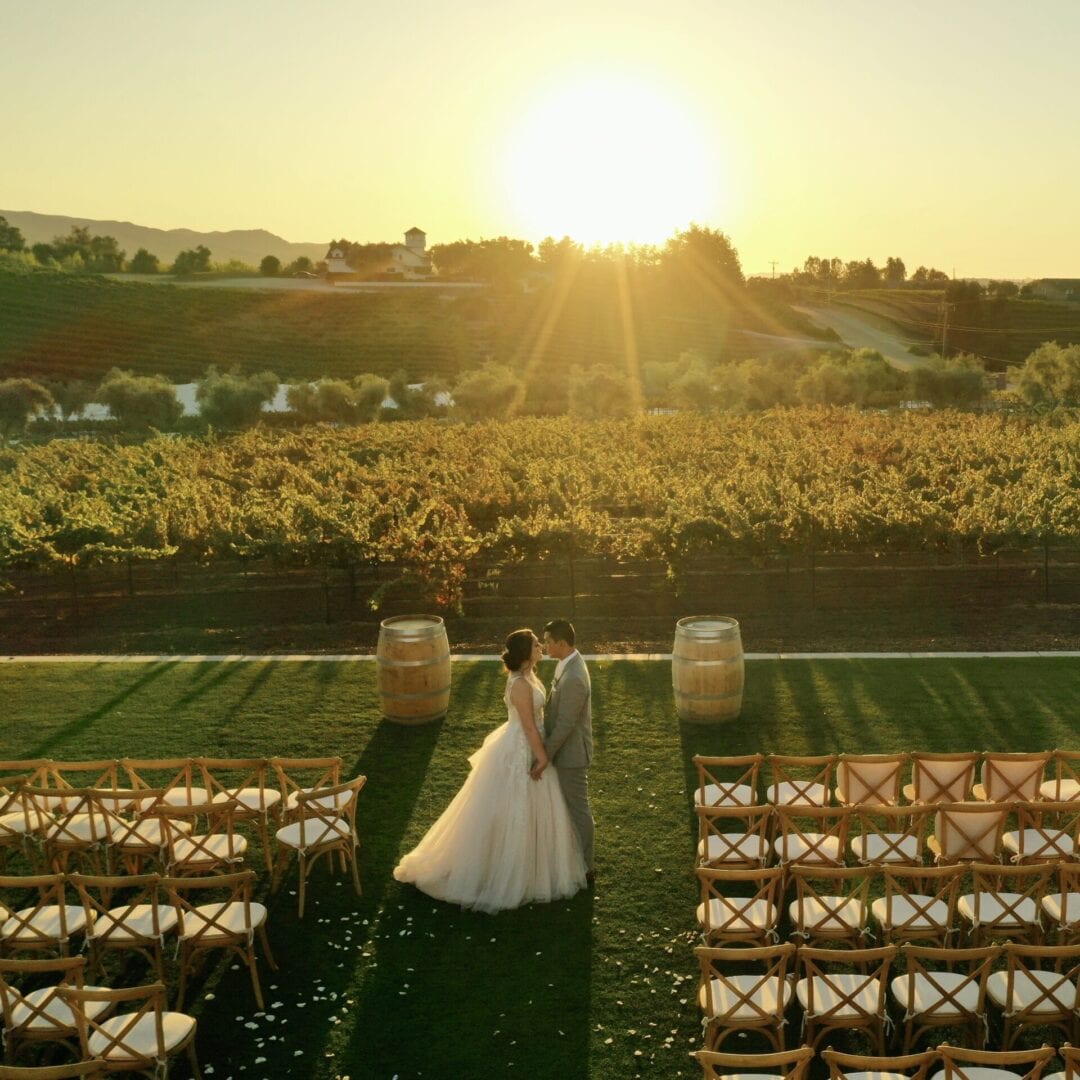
x=538, y=699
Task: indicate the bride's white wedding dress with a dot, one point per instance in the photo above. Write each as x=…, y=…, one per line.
x=505, y=839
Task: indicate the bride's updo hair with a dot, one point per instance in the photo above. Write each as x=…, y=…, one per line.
x=519, y=647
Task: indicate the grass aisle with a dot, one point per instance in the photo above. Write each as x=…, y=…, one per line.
x=600, y=986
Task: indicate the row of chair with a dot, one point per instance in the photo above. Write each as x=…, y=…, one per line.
x=86, y=1020
x=752, y=989
x=757, y=834
x=888, y=779
x=835, y=905
x=182, y=828
x=135, y=914
x=947, y=1062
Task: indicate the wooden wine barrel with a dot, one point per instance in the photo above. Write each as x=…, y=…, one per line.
x=707, y=669
x=414, y=668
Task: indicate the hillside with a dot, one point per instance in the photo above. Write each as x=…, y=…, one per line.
x=246, y=245
x=60, y=326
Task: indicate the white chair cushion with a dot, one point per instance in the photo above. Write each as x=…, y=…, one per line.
x=1064, y=790
x=1039, y=843
x=1062, y=908
x=733, y=847
x=885, y=847
x=904, y=909
x=808, y=847
x=186, y=796
x=735, y=916
x=788, y=794
x=772, y=996
x=45, y=922
x=25, y=1012
x=251, y=798
x=1029, y=987
x=832, y=913
x=138, y=924
x=16, y=823
x=875, y=1076
x=142, y=1038
x=214, y=849
x=998, y=909
x=148, y=834
x=979, y=1072
x=204, y=921
x=81, y=828
x=317, y=832
x=830, y=992
x=327, y=802
x=927, y=999
x=732, y=795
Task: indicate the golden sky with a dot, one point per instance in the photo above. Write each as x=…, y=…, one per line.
x=943, y=132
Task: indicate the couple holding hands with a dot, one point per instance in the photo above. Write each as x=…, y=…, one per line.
x=520, y=830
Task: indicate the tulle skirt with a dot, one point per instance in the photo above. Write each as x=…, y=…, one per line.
x=504, y=840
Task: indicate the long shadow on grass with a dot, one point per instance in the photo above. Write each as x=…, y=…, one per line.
x=319, y=955
x=81, y=724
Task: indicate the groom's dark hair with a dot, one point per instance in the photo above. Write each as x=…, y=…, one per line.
x=560, y=630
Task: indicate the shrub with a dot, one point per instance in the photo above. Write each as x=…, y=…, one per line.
x=140, y=402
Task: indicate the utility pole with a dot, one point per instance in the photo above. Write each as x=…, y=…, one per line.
x=944, y=325
x=772, y=263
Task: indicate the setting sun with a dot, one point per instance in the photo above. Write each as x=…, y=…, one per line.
x=606, y=160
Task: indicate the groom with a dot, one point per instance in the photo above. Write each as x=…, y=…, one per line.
x=568, y=730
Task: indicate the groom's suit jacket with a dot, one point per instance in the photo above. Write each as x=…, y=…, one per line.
x=568, y=717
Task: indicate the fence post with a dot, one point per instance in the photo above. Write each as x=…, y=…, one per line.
x=1046, y=571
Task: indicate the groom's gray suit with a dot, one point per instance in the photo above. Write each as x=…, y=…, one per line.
x=568, y=742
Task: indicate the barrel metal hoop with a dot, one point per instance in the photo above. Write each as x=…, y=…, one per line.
x=682, y=696
x=710, y=663
x=416, y=697
x=384, y=662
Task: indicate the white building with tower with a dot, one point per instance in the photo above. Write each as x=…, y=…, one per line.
x=407, y=262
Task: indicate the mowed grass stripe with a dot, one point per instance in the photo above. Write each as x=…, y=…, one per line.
x=442, y=992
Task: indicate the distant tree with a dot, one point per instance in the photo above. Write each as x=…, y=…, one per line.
x=694, y=389
x=44, y=254
x=270, y=266
x=484, y=392
x=556, y=255
x=959, y=382
x=338, y=401
x=502, y=261
x=1003, y=290
x=963, y=291
x=1051, y=376
x=701, y=268
x=11, y=237
x=140, y=402
x=600, y=391
x=895, y=271
x=20, y=400
x=369, y=394
x=862, y=275
x=302, y=265
x=71, y=396
x=730, y=384
x=192, y=261
x=232, y=400
x=863, y=377
x=925, y=276
x=143, y=262
x=98, y=254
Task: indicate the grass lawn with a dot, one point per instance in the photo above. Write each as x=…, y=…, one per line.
x=600, y=986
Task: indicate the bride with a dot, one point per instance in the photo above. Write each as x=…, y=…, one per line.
x=506, y=839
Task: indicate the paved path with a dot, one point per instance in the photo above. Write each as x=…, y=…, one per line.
x=864, y=331
x=339, y=658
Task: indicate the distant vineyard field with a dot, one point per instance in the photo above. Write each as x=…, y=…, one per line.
x=57, y=326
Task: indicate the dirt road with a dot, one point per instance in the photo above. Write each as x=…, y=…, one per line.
x=863, y=331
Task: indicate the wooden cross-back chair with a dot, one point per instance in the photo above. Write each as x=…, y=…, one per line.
x=1064, y=782
x=963, y=1063
x=732, y=836
x=200, y=837
x=800, y=781
x=20, y=822
x=831, y=904
x=137, y=833
x=940, y=778
x=61, y=777
x=1045, y=832
x=811, y=834
x=1070, y=1056
x=870, y=779
x=38, y=1015
x=1010, y=777
x=862, y=1066
x=733, y=1001
x=784, y=1065
x=179, y=779
x=251, y=785
x=139, y=1041
x=739, y=905
x=80, y=827
x=919, y=903
x=301, y=776
x=48, y=924
x=324, y=825
x=889, y=834
x=218, y=913
x=139, y=923
x=835, y=1000
x=727, y=781
x=73, y=1071
x=1005, y=902
x=1038, y=987
x=1062, y=907
x=967, y=832
x=944, y=988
